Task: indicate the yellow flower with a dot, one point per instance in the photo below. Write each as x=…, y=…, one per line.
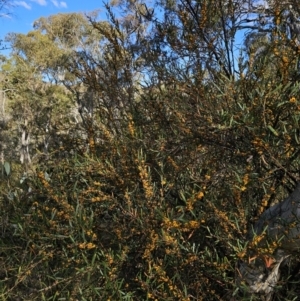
x=292, y=99
x=194, y=224
x=200, y=195
x=90, y=246
x=81, y=246
x=207, y=177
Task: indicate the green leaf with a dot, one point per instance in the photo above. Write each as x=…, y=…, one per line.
x=273, y=130
x=282, y=103
x=7, y=168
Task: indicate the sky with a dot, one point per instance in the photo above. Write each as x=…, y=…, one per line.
x=25, y=12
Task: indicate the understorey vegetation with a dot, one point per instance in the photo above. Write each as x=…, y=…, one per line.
x=137, y=152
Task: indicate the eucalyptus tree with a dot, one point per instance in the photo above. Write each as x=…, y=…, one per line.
x=92, y=59
x=50, y=49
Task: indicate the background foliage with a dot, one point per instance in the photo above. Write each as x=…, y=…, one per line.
x=153, y=142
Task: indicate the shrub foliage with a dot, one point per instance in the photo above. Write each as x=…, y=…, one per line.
x=148, y=191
